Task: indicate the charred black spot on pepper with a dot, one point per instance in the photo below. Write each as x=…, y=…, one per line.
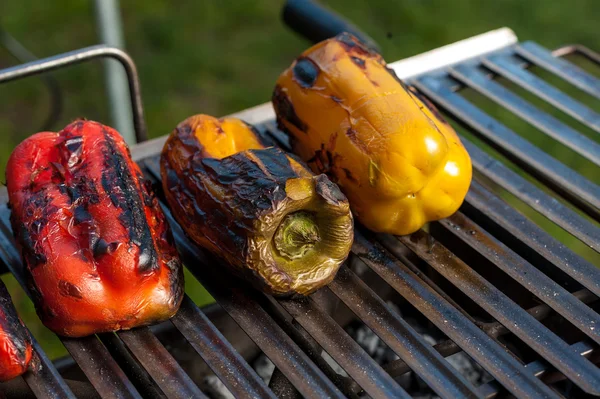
x=67, y=289
x=351, y=43
x=102, y=247
x=359, y=62
x=286, y=109
x=119, y=183
x=349, y=175
x=329, y=191
x=305, y=72
x=81, y=214
x=30, y=254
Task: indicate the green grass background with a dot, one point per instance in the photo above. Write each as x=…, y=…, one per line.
x=219, y=57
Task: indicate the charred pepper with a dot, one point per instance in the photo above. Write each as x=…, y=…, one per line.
x=391, y=152
x=260, y=209
x=93, y=237
x=15, y=344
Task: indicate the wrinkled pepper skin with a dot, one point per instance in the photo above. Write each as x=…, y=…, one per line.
x=394, y=156
x=15, y=344
x=94, y=240
x=261, y=210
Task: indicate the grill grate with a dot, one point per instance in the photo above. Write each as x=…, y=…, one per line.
x=498, y=287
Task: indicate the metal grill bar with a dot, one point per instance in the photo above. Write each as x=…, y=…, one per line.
x=560, y=67
x=134, y=371
x=487, y=352
x=497, y=304
x=307, y=343
x=539, y=368
x=343, y=349
x=218, y=353
x=100, y=368
x=511, y=144
x=243, y=308
x=532, y=196
x=46, y=381
x=474, y=77
x=525, y=273
x=400, y=336
x=159, y=363
x=489, y=206
x=511, y=68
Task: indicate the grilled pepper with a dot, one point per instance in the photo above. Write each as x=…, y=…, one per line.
x=92, y=235
x=395, y=157
x=15, y=344
x=260, y=209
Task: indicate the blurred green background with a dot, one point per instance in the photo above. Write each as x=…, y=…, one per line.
x=218, y=57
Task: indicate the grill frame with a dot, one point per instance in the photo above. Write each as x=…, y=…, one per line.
x=292, y=332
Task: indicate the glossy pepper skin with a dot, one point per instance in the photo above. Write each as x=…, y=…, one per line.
x=15, y=344
x=260, y=209
x=93, y=238
x=398, y=161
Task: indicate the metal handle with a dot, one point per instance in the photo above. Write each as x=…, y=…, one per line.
x=316, y=22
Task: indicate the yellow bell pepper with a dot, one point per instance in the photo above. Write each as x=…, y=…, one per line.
x=397, y=160
x=260, y=209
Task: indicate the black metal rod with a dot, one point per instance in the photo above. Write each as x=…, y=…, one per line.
x=100, y=368
x=159, y=363
x=531, y=278
x=239, y=378
x=400, y=336
x=511, y=68
x=538, y=367
x=568, y=71
x=581, y=191
x=483, y=349
x=134, y=371
x=497, y=304
x=316, y=22
x=491, y=207
x=343, y=349
x=475, y=78
x=45, y=381
x=82, y=55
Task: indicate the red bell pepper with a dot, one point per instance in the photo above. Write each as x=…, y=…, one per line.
x=93, y=237
x=15, y=344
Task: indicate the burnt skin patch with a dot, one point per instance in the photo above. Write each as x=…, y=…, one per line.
x=353, y=136
x=351, y=43
x=328, y=191
x=102, y=247
x=349, y=175
x=358, y=62
x=305, y=72
x=285, y=109
x=121, y=186
x=67, y=289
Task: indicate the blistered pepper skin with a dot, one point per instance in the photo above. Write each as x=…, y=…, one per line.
x=15, y=343
x=94, y=240
x=231, y=195
x=394, y=156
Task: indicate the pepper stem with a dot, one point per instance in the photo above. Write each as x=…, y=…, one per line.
x=296, y=235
